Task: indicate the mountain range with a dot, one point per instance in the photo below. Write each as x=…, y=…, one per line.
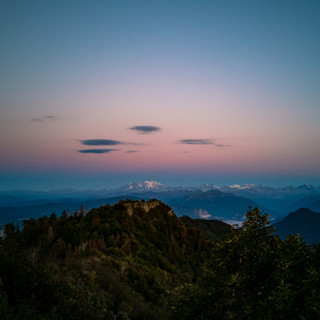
x=251, y=191
x=207, y=201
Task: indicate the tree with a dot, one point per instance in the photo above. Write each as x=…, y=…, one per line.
x=253, y=274
x=240, y=276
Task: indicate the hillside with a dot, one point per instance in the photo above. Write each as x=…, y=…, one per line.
x=304, y=222
x=115, y=257
x=213, y=229
x=138, y=260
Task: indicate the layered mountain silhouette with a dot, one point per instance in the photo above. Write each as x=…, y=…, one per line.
x=216, y=204
x=207, y=201
x=311, y=202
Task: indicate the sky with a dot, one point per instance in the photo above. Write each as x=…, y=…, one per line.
x=96, y=94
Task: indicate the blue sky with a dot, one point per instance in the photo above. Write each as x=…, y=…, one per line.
x=242, y=75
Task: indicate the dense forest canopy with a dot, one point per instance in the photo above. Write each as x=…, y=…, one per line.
x=138, y=260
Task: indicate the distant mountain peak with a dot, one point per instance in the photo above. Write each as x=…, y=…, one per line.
x=144, y=186
x=302, y=212
x=238, y=187
x=208, y=186
x=306, y=187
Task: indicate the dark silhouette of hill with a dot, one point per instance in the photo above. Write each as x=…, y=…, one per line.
x=304, y=222
x=213, y=229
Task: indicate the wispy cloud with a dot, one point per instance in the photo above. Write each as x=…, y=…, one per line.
x=100, y=142
x=131, y=151
x=97, y=151
x=44, y=118
x=136, y=144
x=201, y=142
x=196, y=141
x=145, y=129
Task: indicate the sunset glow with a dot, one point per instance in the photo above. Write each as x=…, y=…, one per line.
x=96, y=94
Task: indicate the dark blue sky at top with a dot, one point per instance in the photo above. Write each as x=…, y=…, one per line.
x=59, y=34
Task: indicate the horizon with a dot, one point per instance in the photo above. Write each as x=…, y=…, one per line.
x=94, y=95
x=176, y=185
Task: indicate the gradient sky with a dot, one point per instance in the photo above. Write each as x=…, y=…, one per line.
x=95, y=94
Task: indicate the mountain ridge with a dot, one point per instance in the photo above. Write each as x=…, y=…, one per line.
x=206, y=201
x=302, y=221
x=152, y=185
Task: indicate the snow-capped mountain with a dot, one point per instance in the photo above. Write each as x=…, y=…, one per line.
x=258, y=191
x=244, y=187
x=144, y=186
x=150, y=186
x=208, y=186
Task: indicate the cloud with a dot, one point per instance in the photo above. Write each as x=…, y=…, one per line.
x=201, y=142
x=50, y=118
x=131, y=151
x=136, y=144
x=145, y=129
x=196, y=141
x=45, y=118
x=221, y=145
x=100, y=142
x=97, y=151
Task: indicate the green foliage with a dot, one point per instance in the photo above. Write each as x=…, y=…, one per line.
x=254, y=275
x=116, y=262
x=137, y=260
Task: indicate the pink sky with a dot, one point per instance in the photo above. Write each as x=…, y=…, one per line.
x=248, y=83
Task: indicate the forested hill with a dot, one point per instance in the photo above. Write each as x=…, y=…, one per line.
x=115, y=260
x=138, y=260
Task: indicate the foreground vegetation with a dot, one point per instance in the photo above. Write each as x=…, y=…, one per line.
x=137, y=260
